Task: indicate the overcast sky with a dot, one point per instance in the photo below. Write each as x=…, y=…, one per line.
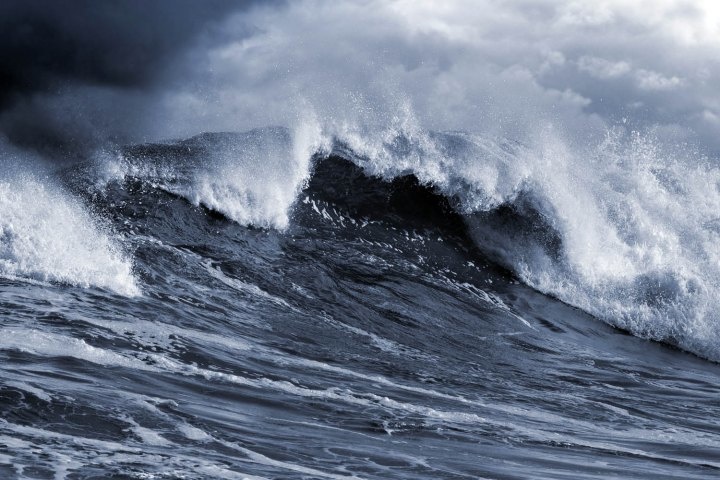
x=90, y=72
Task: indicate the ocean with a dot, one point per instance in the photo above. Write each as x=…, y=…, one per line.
x=368, y=303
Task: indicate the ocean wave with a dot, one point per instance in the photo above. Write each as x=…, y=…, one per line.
x=252, y=178
x=47, y=235
x=623, y=228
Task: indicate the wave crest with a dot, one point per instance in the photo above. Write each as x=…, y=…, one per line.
x=624, y=228
x=45, y=235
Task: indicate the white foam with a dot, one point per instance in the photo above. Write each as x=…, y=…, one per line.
x=70, y=452
x=638, y=244
x=519, y=421
x=253, y=178
x=46, y=235
x=146, y=435
x=637, y=220
x=244, y=287
x=39, y=393
x=37, y=342
x=193, y=433
x=51, y=344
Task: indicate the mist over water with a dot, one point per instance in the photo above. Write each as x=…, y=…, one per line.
x=359, y=239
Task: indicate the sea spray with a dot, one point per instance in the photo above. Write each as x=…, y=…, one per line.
x=47, y=235
x=625, y=228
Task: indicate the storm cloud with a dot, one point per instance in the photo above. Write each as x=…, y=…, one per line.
x=44, y=43
x=61, y=62
x=505, y=68
x=120, y=71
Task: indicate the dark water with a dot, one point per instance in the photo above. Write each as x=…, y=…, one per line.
x=371, y=338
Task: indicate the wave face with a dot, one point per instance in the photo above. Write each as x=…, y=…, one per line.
x=605, y=227
x=376, y=302
x=625, y=228
x=416, y=240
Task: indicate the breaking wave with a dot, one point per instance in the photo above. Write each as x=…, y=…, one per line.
x=624, y=228
x=47, y=235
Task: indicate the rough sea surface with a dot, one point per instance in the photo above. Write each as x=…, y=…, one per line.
x=259, y=305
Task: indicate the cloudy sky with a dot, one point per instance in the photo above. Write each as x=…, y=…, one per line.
x=89, y=73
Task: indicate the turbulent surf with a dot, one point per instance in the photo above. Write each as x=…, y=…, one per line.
x=359, y=240
x=282, y=303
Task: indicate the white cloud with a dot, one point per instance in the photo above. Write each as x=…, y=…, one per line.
x=711, y=117
x=602, y=68
x=650, y=80
x=585, y=14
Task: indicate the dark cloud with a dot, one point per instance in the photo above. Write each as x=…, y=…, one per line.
x=50, y=49
x=45, y=43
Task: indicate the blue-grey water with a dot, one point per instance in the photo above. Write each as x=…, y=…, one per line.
x=153, y=329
